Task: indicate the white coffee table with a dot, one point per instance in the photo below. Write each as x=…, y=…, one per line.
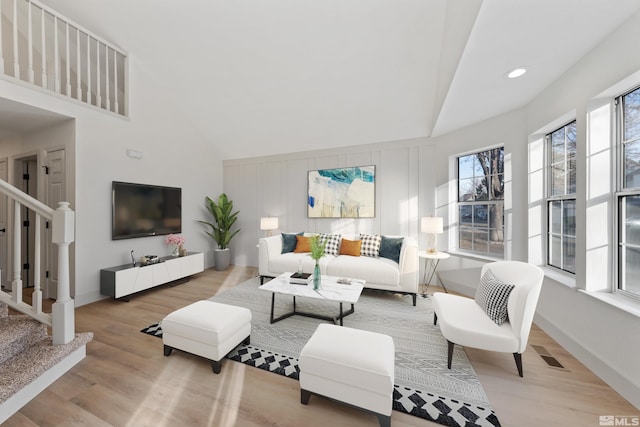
x=330, y=290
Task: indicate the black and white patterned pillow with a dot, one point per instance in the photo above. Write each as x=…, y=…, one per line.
x=370, y=245
x=493, y=296
x=332, y=246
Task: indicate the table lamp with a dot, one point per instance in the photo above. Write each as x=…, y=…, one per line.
x=431, y=226
x=269, y=224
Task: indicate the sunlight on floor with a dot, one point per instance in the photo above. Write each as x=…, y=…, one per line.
x=230, y=389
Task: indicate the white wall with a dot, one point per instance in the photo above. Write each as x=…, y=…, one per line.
x=173, y=155
x=277, y=186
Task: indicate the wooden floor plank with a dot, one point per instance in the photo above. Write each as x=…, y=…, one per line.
x=125, y=380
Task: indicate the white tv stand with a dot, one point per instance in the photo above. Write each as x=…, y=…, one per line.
x=121, y=281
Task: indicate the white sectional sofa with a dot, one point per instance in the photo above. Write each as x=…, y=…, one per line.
x=378, y=272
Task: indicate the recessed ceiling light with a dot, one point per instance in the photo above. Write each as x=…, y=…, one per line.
x=516, y=73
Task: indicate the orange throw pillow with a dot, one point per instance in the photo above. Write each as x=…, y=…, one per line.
x=350, y=247
x=303, y=244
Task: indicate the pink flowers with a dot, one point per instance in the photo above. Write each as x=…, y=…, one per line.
x=174, y=240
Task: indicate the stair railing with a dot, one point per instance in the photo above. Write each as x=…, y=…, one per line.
x=48, y=50
x=62, y=317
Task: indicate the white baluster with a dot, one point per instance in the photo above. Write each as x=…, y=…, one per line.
x=115, y=81
x=68, y=62
x=106, y=78
x=16, y=283
x=30, y=43
x=36, y=300
x=78, y=67
x=98, y=97
x=44, y=50
x=88, y=69
x=56, y=57
x=1, y=53
x=63, y=309
x=16, y=59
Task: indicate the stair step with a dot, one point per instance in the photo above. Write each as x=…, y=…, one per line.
x=17, y=333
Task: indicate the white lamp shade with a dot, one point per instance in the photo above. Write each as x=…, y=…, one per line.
x=432, y=225
x=269, y=223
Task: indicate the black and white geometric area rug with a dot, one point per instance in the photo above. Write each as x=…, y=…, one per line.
x=439, y=409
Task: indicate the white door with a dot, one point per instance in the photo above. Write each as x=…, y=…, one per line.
x=3, y=227
x=56, y=192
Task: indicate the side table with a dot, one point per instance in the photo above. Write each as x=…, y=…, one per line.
x=431, y=261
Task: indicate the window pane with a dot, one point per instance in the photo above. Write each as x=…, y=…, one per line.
x=555, y=217
x=557, y=179
x=571, y=176
x=496, y=216
x=632, y=219
x=571, y=140
x=465, y=215
x=569, y=254
x=480, y=240
x=555, y=252
x=497, y=187
x=557, y=146
x=466, y=190
x=480, y=215
x=496, y=241
x=465, y=166
x=465, y=239
x=631, y=273
x=569, y=217
x=632, y=115
x=482, y=193
x=632, y=164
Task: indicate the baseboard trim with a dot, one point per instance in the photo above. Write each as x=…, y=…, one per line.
x=609, y=375
x=26, y=394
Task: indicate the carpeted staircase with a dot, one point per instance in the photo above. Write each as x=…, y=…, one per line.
x=27, y=356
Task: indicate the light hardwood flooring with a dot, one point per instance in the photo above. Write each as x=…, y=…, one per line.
x=126, y=381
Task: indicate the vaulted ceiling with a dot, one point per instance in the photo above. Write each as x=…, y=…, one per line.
x=260, y=77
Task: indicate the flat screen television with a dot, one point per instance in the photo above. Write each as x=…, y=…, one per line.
x=140, y=210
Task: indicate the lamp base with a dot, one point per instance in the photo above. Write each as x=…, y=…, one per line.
x=432, y=251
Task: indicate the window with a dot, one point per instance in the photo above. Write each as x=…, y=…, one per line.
x=481, y=202
x=561, y=198
x=629, y=193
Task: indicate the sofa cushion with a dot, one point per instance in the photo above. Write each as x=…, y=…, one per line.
x=390, y=247
x=303, y=244
x=350, y=247
x=493, y=296
x=289, y=242
x=370, y=245
x=332, y=243
x=373, y=270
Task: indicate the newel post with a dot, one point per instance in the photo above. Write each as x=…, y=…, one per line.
x=63, y=228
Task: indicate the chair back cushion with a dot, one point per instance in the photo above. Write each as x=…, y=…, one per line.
x=527, y=281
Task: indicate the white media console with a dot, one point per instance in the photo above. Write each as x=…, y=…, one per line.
x=124, y=280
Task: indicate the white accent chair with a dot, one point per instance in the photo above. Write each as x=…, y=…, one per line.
x=464, y=322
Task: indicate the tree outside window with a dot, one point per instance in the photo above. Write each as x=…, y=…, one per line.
x=481, y=202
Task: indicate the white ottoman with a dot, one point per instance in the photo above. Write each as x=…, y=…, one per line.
x=208, y=329
x=349, y=365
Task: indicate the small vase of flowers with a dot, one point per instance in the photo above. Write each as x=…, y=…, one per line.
x=174, y=241
x=317, y=252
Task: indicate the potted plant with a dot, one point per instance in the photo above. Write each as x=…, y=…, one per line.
x=223, y=220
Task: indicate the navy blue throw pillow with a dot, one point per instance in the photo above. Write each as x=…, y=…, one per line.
x=390, y=247
x=289, y=242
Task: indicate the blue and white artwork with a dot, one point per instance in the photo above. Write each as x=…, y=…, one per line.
x=342, y=193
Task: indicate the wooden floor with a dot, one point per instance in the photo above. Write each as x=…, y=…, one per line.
x=126, y=381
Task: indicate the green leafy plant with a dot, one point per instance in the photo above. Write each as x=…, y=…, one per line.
x=224, y=218
x=317, y=247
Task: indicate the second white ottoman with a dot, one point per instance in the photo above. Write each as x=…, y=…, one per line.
x=349, y=365
x=208, y=329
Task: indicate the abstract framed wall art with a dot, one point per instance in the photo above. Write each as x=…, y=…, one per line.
x=342, y=192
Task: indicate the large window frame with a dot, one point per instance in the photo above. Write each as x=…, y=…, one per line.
x=561, y=174
x=628, y=193
x=480, y=185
